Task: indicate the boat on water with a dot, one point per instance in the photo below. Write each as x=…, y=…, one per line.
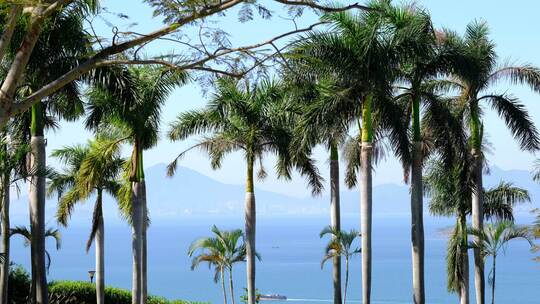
x=272, y=297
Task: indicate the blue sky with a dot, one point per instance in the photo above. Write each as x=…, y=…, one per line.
x=513, y=28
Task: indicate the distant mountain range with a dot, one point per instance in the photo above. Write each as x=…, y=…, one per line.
x=190, y=193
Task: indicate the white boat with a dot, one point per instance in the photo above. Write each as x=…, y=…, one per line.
x=272, y=297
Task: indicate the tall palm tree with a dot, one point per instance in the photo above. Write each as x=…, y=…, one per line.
x=450, y=195
x=340, y=245
x=494, y=237
x=363, y=52
x=253, y=120
x=316, y=125
x=222, y=251
x=134, y=112
x=60, y=47
x=88, y=171
x=476, y=70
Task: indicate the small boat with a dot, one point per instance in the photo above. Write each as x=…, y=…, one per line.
x=272, y=297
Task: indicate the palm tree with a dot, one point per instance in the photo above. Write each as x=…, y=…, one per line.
x=27, y=236
x=88, y=170
x=134, y=113
x=494, y=237
x=316, y=125
x=253, y=120
x=61, y=45
x=363, y=53
x=476, y=69
x=340, y=245
x=450, y=195
x=221, y=251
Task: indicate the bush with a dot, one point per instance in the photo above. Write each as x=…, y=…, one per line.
x=72, y=292
x=19, y=285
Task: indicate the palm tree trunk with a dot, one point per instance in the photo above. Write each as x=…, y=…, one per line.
x=250, y=214
x=335, y=218
x=37, y=205
x=137, y=219
x=477, y=214
x=346, y=280
x=4, y=273
x=417, y=209
x=464, y=291
x=493, y=279
x=100, y=252
x=464, y=296
x=231, y=286
x=223, y=286
x=366, y=198
x=139, y=222
x=144, y=256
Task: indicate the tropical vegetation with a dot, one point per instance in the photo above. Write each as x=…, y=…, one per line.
x=365, y=81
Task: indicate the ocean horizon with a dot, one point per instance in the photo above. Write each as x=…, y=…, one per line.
x=291, y=253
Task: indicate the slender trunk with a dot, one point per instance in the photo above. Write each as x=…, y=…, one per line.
x=493, y=278
x=250, y=233
x=335, y=218
x=231, y=286
x=137, y=219
x=366, y=199
x=417, y=223
x=144, y=256
x=100, y=252
x=4, y=273
x=346, y=280
x=223, y=286
x=37, y=206
x=477, y=200
x=464, y=296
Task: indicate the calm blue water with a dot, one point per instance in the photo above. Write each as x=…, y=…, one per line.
x=291, y=251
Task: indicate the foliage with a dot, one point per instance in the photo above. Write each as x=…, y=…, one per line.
x=244, y=297
x=27, y=236
x=340, y=244
x=252, y=119
x=73, y=292
x=19, y=285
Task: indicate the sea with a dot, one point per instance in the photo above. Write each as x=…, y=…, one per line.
x=291, y=252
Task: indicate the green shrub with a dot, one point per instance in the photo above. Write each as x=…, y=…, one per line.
x=19, y=285
x=72, y=292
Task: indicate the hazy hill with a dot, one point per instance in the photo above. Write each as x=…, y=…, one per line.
x=190, y=193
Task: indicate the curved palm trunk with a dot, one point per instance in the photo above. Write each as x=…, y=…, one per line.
x=250, y=233
x=366, y=198
x=477, y=201
x=100, y=251
x=231, y=286
x=37, y=206
x=335, y=218
x=223, y=286
x=4, y=273
x=417, y=209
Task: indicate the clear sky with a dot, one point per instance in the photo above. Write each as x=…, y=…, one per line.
x=514, y=28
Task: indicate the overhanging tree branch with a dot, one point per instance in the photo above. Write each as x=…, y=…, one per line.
x=198, y=64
